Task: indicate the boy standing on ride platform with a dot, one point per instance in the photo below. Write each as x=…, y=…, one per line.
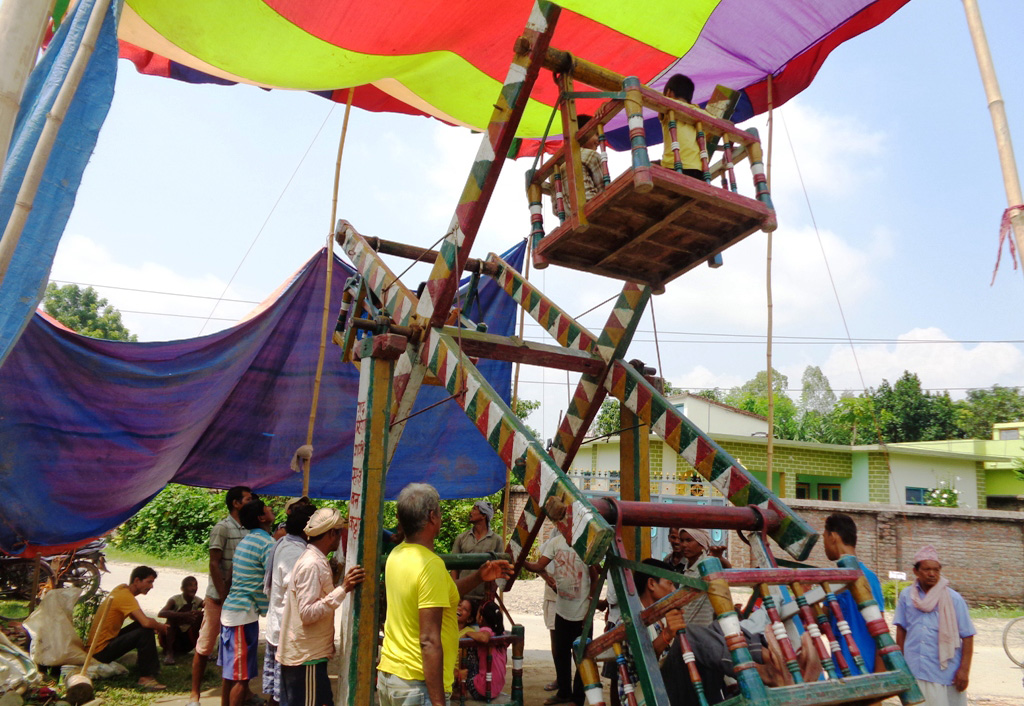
x=111, y=641
x=224, y=537
x=184, y=614
x=680, y=88
x=840, y=538
x=244, y=604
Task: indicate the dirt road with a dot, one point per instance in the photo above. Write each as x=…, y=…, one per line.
x=995, y=680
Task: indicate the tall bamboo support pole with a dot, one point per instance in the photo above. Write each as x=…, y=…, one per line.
x=770, y=445
x=34, y=173
x=327, y=297
x=22, y=25
x=996, y=107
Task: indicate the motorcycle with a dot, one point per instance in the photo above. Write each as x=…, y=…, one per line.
x=81, y=568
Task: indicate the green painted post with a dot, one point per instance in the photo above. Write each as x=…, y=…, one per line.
x=639, y=641
x=360, y=611
x=751, y=686
x=892, y=657
x=519, y=633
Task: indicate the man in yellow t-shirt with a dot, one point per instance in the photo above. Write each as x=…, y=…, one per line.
x=421, y=636
x=680, y=88
x=112, y=641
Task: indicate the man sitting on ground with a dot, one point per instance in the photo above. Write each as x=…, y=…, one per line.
x=111, y=641
x=184, y=614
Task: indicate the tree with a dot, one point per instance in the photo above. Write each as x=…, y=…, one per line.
x=983, y=408
x=523, y=409
x=905, y=412
x=816, y=395
x=715, y=395
x=752, y=396
x=85, y=312
x=607, y=420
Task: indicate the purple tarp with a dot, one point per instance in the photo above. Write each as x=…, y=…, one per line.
x=90, y=430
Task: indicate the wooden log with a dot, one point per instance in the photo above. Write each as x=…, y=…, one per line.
x=360, y=610
x=22, y=25
x=515, y=350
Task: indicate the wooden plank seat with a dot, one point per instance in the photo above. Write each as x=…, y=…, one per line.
x=655, y=236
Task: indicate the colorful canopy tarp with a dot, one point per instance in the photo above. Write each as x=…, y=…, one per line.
x=448, y=59
x=90, y=430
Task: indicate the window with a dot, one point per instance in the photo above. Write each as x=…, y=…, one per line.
x=1006, y=435
x=917, y=496
x=829, y=492
x=803, y=491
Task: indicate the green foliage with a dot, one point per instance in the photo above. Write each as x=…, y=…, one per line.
x=816, y=396
x=976, y=414
x=177, y=520
x=907, y=413
x=523, y=409
x=85, y=312
x=715, y=395
x=752, y=396
x=82, y=615
x=891, y=592
x=607, y=420
x=946, y=495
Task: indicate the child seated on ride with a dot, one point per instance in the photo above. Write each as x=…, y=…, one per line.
x=680, y=88
x=485, y=666
x=593, y=173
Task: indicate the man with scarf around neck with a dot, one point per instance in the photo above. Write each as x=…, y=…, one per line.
x=935, y=633
x=690, y=547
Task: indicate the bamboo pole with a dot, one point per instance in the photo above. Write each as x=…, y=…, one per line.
x=327, y=296
x=515, y=394
x=997, y=109
x=770, y=446
x=22, y=25
x=41, y=155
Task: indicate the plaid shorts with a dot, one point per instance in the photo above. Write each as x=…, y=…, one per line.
x=272, y=673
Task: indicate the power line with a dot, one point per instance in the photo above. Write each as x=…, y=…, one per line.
x=154, y=291
x=836, y=390
x=180, y=316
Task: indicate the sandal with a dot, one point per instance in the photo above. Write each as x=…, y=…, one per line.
x=551, y=686
x=151, y=684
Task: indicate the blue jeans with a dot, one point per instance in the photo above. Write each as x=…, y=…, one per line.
x=395, y=691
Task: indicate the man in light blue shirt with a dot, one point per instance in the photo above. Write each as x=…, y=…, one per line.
x=935, y=632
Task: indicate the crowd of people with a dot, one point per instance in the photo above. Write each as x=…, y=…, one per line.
x=293, y=581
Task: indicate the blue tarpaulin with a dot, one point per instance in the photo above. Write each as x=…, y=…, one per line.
x=22, y=287
x=90, y=430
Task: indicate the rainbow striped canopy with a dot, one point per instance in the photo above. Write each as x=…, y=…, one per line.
x=448, y=59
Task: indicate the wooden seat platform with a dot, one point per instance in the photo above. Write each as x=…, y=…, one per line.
x=653, y=237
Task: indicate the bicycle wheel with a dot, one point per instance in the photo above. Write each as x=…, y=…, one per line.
x=1013, y=640
x=82, y=574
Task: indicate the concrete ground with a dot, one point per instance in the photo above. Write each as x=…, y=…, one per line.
x=995, y=680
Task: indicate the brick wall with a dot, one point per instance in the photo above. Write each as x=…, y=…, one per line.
x=982, y=551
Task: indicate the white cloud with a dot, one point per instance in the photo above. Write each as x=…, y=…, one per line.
x=938, y=361
x=82, y=260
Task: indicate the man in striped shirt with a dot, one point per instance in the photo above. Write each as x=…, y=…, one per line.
x=245, y=603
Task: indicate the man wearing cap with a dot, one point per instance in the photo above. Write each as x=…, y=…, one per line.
x=421, y=635
x=935, y=632
x=307, y=620
x=478, y=539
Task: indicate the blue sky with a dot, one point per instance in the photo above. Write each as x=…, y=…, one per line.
x=893, y=140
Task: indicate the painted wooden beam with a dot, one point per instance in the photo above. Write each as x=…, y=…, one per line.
x=508, y=110
x=562, y=327
x=516, y=350
x=707, y=457
x=584, y=529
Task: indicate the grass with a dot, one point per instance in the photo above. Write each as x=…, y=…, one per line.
x=172, y=560
x=1004, y=612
